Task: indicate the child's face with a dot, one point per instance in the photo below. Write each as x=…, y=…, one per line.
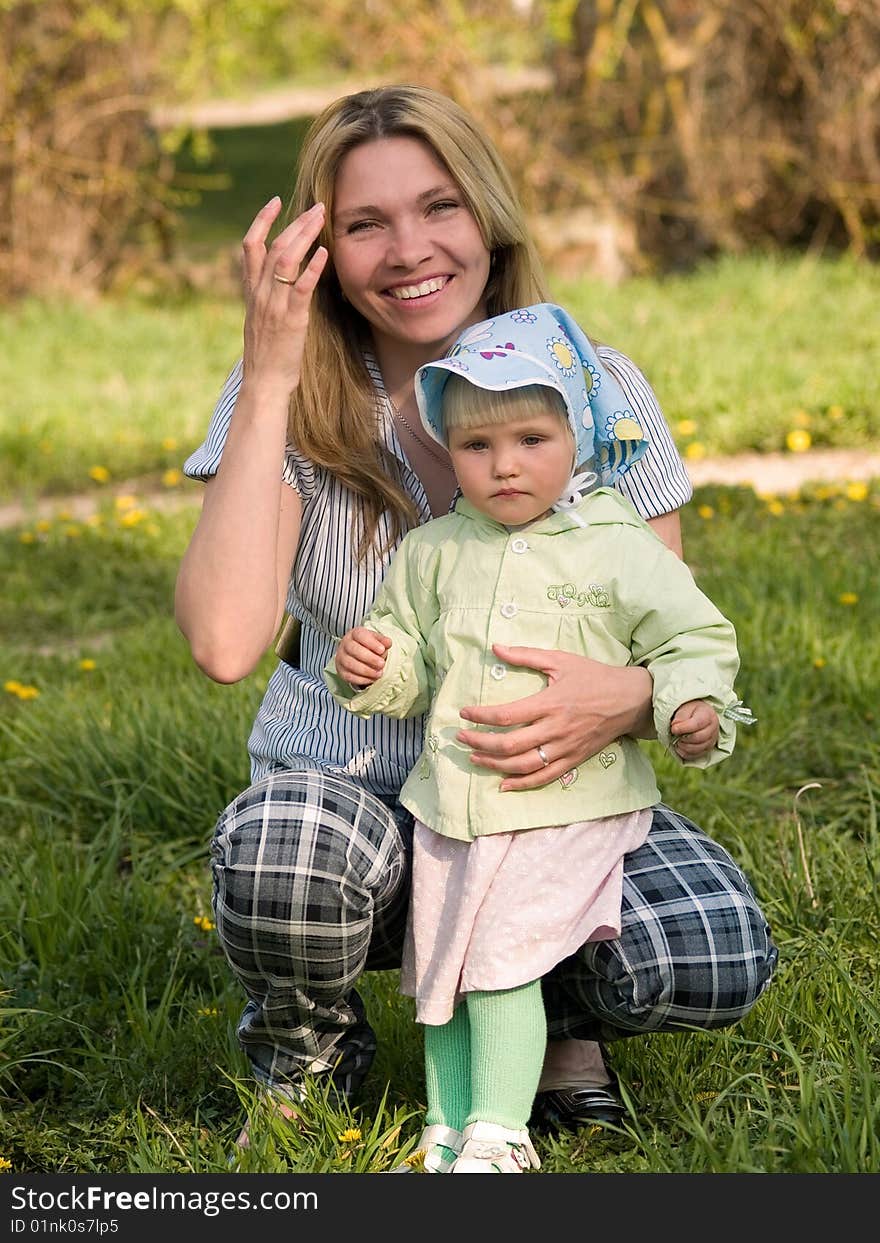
x=513, y=471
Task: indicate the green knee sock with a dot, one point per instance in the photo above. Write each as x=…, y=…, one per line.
x=448, y=1072
x=508, y=1037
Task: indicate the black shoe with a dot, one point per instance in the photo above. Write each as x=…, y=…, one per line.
x=566, y=1109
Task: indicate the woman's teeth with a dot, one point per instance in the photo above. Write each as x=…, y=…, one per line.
x=404, y=292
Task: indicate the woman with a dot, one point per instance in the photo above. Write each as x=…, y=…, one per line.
x=406, y=230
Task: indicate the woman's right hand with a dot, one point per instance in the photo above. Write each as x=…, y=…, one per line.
x=278, y=295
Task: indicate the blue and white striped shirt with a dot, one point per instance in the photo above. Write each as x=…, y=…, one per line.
x=330, y=591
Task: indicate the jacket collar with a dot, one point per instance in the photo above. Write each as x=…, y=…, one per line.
x=598, y=508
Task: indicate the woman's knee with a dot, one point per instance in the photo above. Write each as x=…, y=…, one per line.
x=706, y=970
x=305, y=846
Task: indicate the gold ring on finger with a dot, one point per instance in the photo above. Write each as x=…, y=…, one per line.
x=283, y=279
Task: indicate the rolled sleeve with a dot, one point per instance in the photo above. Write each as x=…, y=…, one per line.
x=680, y=691
x=296, y=471
x=658, y=483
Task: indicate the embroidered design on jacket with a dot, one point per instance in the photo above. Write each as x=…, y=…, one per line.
x=432, y=742
x=566, y=593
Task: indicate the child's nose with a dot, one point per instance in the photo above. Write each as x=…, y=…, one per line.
x=506, y=464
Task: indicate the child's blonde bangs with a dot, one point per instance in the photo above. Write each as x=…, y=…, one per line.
x=467, y=405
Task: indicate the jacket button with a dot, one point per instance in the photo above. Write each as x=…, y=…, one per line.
x=498, y=672
x=508, y=610
x=519, y=545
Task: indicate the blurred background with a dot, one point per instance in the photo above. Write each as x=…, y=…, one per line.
x=139, y=136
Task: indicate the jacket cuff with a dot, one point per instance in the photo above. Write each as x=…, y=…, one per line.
x=365, y=701
x=678, y=693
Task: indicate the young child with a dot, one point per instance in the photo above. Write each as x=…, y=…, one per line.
x=506, y=885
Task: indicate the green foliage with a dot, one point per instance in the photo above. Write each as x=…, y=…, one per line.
x=120, y=1010
x=733, y=352
x=117, y=1018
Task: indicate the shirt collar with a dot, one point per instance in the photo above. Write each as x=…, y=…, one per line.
x=553, y=523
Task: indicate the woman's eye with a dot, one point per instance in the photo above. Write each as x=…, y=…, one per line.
x=361, y=226
x=443, y=205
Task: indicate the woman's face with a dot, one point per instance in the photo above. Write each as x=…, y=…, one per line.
x=407, y=250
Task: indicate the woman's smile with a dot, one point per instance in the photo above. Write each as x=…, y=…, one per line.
x=407, y=248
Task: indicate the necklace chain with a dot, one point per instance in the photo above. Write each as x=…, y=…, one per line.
x=425, y=444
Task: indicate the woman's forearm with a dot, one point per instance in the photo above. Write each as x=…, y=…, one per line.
x=230, y=587
x=642, y=709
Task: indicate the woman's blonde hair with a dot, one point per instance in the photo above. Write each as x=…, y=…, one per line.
x=333, y=411
x=467, y=405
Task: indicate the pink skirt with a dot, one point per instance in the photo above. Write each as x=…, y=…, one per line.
x=504, y=909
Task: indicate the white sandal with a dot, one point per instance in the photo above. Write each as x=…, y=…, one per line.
x=492, y=1149
x=427, y=1153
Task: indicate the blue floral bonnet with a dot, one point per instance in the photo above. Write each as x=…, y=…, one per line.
x=542, y=344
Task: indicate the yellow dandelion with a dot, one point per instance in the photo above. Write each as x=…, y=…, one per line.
x=209, y=1012
x=171, y=478
x=64, y=515
x=706, y=511
x=802, y=419
x=169, y=444
x=857, y=491
x=132, y=517
x=22, y=692
x=72, y=531
x=819, y=662
x=848, y=598
x=27, y=537
x=203, y=922
x=125, y=502
x=835, y=413
x=87, y=664
x=798, y=440
x=44, y=525
x=776, y=508
x=416, y=1160
x=94, y=520
x=824, y=492
x=686, y=427
x=5, y=1165
x=100, y=474
x=350, y=1136
x=694, y=451
x=11, y=687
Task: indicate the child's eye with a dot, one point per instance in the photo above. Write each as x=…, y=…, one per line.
x=533, y=440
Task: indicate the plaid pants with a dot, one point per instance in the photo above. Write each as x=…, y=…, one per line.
x=311, y=887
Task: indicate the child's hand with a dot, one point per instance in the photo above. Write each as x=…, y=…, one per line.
x=360, y=657
x=695, y=728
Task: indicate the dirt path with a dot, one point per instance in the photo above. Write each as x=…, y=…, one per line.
x=765, y=472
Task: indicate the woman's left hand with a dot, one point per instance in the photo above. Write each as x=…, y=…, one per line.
x=585, y=706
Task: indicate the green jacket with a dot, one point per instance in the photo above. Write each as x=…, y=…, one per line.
x=610, y=590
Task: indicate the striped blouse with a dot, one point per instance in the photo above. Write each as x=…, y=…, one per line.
x=330, y=591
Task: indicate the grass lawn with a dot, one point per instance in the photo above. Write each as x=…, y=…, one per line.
x=740, y=354
x=117, y=1012
x=117, y=1048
